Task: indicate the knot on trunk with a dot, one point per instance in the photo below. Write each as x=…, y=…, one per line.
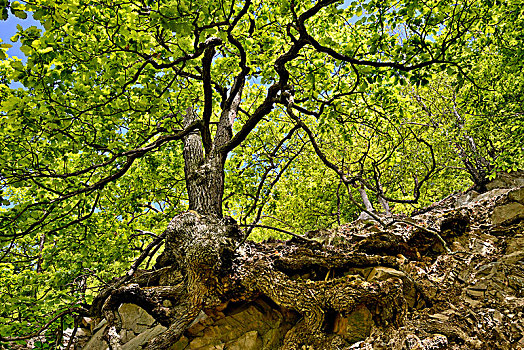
x=203, y=243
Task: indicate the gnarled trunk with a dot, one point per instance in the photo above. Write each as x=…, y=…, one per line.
x=200, y=242
x=204, y=174
x=204, y=265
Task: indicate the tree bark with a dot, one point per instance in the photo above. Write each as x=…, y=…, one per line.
x=367, y=203
x=204, y=175
x=202, y=247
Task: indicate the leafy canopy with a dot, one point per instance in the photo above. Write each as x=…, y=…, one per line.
x=91, y=146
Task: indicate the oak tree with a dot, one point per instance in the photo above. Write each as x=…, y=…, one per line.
x=178, y=121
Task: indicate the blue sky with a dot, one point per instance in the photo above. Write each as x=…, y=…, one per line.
x=8, y=29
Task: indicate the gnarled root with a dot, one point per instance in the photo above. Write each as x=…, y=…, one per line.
x=201, y=250
x=313, y=298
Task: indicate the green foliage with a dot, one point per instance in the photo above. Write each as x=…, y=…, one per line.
x=88, y=156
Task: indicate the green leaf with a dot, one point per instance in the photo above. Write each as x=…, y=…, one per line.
x=19, y=13
x=45, y=50
x=27, y=50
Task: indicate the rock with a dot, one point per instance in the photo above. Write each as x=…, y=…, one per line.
x=476, y=293
x=96, y=342
x=181, y=344
x=381, y=273
x=361, y=346
x=517, y=283
x=505, y=180
x=99, y=325
x=239, y=326
x=141, y=339
x=126, y=335
x=134, y=318
x=515, y=244
x=206, y=342
x=435, y=342
x=507, y=213
x=412, y=342
x=466, y=198
x=440, y=317
x=454, y=224
x=488, y=269
x=517, y=195
x=513, y=258
x=356, y=327
x=249, y=341
x=361, y=271
x=470, y=299
x=198, y=324
x=489, y=195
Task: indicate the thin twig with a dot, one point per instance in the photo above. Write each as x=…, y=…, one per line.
x=44, y=327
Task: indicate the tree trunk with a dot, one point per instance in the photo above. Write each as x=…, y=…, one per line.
x=202, y=267
x=367, y=203
x=390, y=287
x=383, y=201
x=200, y=243
x=204, y=175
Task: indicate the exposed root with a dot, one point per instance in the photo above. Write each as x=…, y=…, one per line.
x=200, y=271
x=313, y=298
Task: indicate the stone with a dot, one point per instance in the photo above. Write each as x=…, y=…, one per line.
x=134, y=318
x=361, y=345
x=440, y=317
x=273, y=337
x=205, y=342
x=249, y=341
x=507, y=213
x=459, y=294
x=515, y=244
x=513, y=258
x=412, y=342
x=356, y=327
x=464, y=276
x=475, y=293
x=96, y=342
x=218, y=331
x=126, y=335
x=489, y=195
x=517, y=195
x=198, y=324
x=181, y=344
x=140, y=340
x=488, y=269
x=361, y=271
x=435, y=342
x=505, y=180
x=381, y=273
x=99, y=325
x=517, y=283
x=466, y=198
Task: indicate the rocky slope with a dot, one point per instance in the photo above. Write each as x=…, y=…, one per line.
x=448, y=277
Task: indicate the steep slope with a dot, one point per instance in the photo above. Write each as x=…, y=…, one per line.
x=448, y=277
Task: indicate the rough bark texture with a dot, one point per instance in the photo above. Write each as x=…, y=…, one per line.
x=359, y=287
x=204, y=175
